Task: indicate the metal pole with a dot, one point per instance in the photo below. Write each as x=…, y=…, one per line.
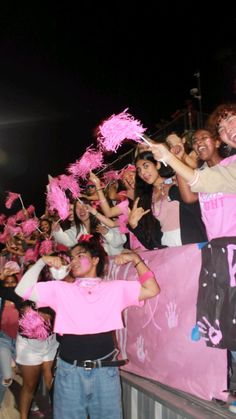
x=197, y=75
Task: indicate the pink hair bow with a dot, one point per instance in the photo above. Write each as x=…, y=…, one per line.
x=85, y=237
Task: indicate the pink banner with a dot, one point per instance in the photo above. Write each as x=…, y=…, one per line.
x=157, y=338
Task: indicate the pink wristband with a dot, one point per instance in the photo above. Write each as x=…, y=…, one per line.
x=144, y=277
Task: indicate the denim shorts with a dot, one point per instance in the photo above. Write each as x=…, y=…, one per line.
x=79, y=392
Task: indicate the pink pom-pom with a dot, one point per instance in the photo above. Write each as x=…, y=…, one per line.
x=31, y=255
x=11, y=198
x=34, y=326
x=20, y=215
x=46, y=247
x=11, y=227
x=4, y=236
x=118, y=128
x=2, y=219
x=57, y=200
x=69, y=183
x=11, y=220
x=29, y=226
x=13, y=230
x=92, y=159
x=110, y=176
x=30, y=209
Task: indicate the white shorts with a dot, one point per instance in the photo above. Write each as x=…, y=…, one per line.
x=34, y=351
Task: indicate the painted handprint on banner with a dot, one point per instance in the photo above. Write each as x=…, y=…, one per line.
x=210, y=333
x=141, y=353
x=151, y=311
x=171, y=315
x=232, y=267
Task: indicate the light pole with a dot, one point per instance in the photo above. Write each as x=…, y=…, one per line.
x=196, y=93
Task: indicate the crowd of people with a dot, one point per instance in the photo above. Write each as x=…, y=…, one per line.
x=54, y=301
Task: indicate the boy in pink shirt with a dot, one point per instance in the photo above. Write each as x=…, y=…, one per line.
x=88, y=311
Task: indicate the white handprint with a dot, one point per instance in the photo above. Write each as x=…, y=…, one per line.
x=214, y=335
x=171, y=315
x=141, y=353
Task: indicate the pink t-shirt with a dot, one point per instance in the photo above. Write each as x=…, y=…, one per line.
x=219, y=210
x=87, y=310
x=167, y=212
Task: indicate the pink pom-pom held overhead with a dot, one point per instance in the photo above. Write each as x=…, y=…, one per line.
x=92, y=159
x=57, y=200
x=118, y=128
x=68, y=182
x=29, y=226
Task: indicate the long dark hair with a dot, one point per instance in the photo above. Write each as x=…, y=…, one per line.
x=93, y=221
x=144, y=191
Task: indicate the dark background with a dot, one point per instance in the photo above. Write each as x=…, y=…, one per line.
x=66, y=67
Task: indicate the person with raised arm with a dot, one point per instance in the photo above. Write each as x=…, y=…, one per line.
x=88, y=311
x=212, y=179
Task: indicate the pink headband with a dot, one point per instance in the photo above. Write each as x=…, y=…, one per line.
x=129, y=168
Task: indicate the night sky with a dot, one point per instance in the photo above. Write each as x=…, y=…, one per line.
x=63, y=70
